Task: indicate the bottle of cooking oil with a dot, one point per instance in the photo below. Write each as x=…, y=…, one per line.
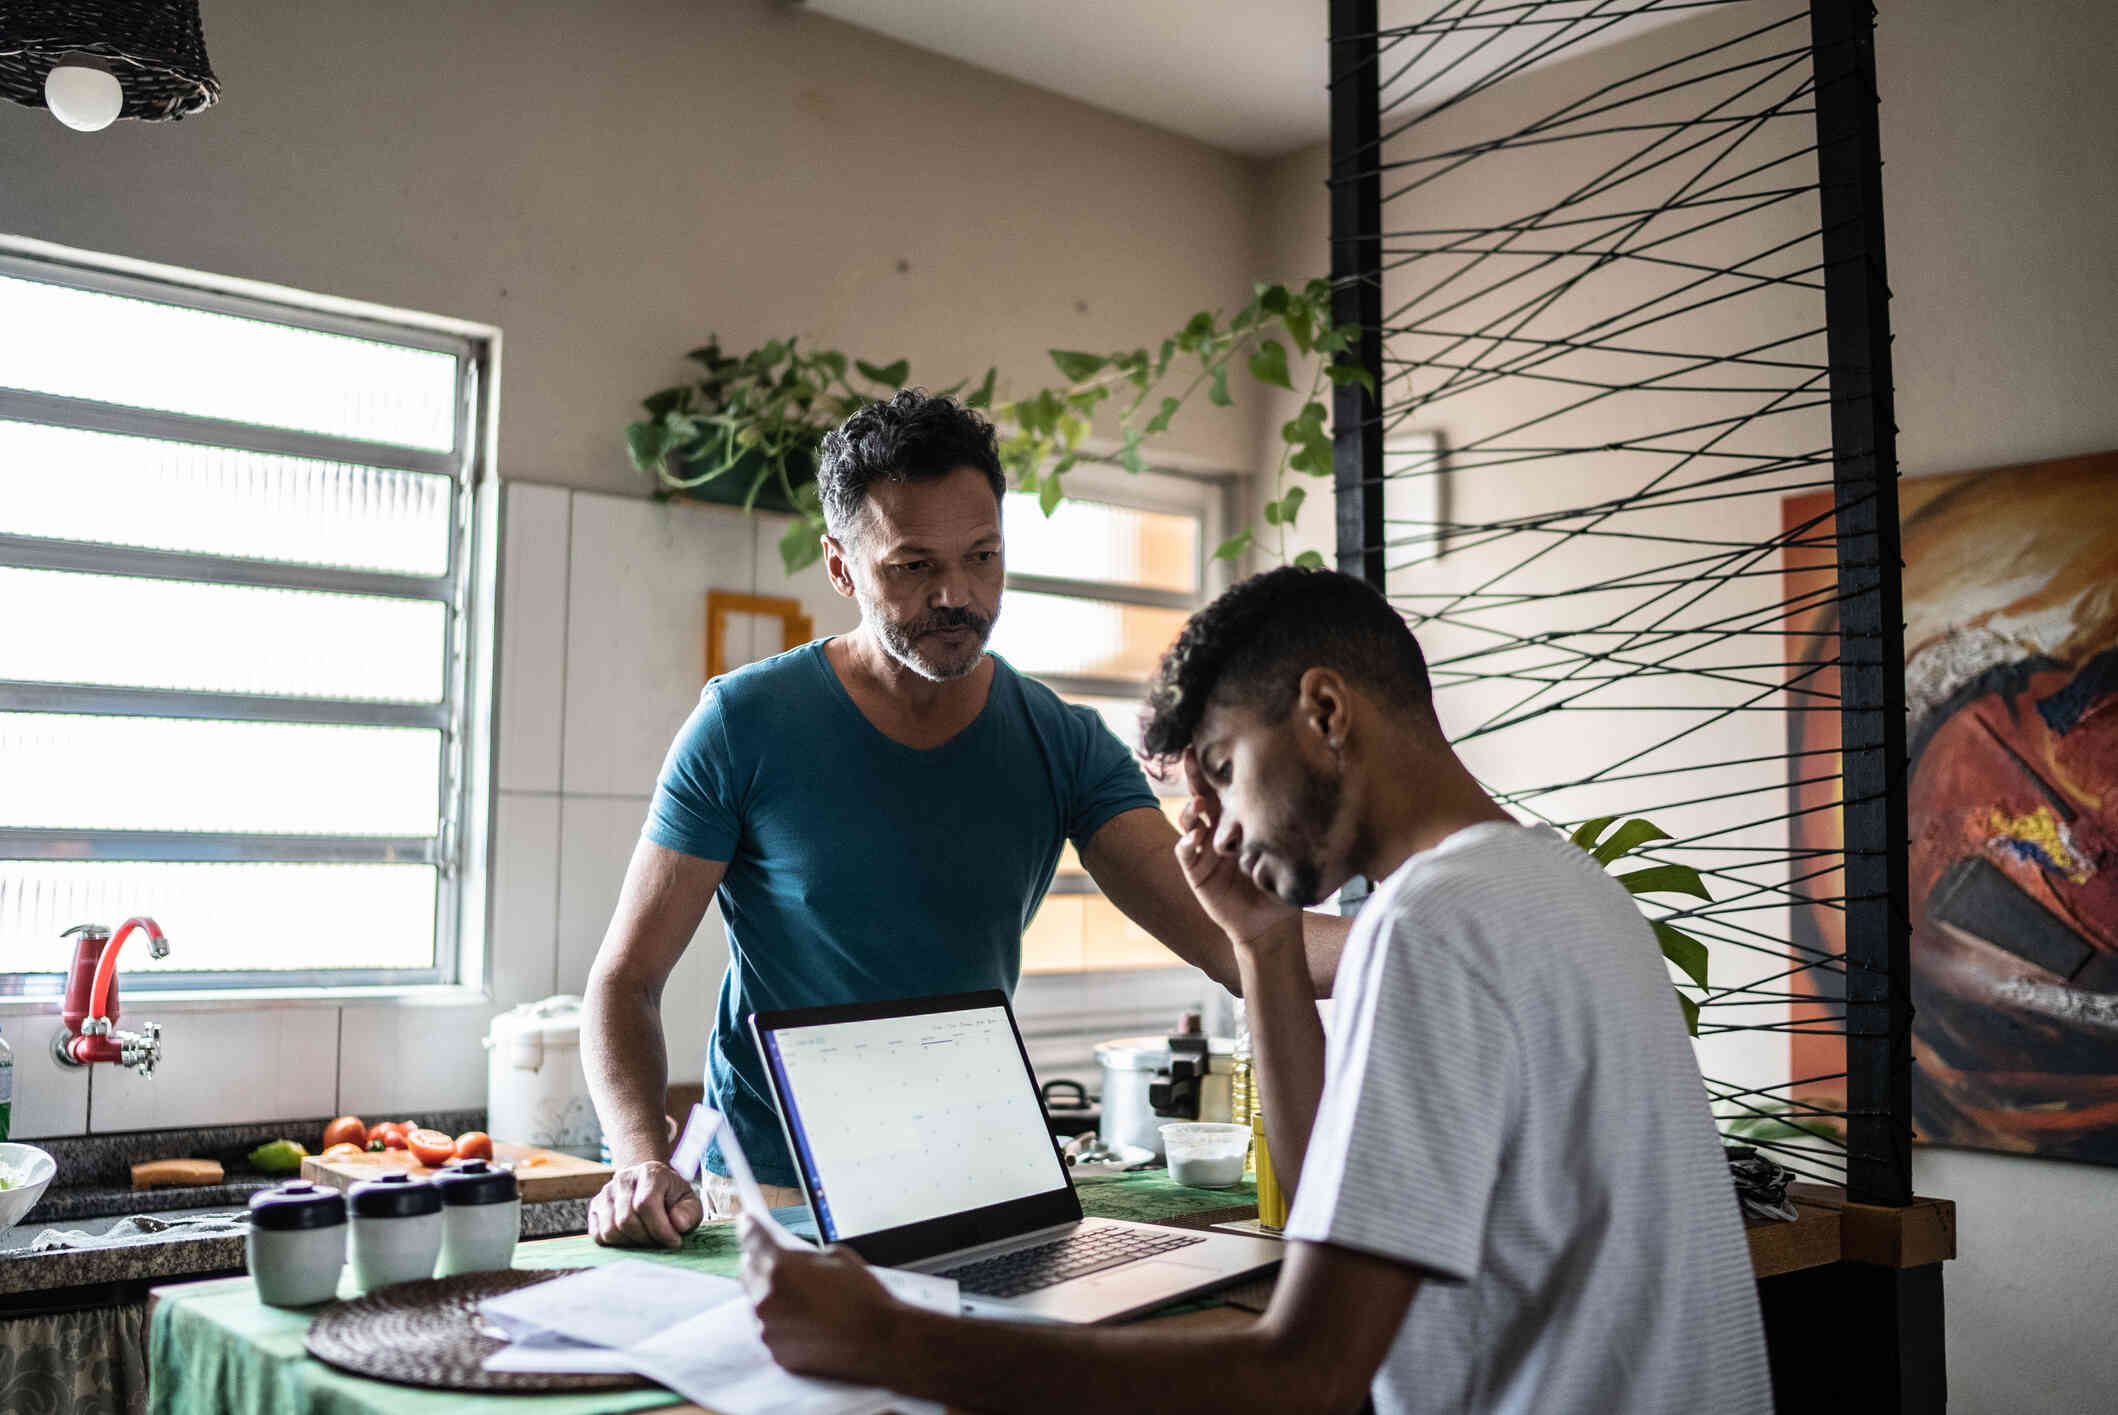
x=7, y=1086
x=1242, y=1090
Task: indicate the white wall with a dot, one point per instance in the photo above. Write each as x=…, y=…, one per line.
x=610, y=182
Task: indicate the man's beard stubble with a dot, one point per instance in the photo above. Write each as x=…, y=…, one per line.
x=1314, y=811
x=904, y=639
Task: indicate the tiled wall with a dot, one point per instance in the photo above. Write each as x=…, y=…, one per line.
x=603, y=618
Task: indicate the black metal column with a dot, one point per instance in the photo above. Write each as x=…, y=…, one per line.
x=1356, y=274
x=1871, y=607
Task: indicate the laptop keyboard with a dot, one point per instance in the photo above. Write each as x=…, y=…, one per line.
x=1049, y=1264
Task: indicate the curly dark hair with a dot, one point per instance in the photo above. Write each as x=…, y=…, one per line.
x=1253, y=644
x=916, y=436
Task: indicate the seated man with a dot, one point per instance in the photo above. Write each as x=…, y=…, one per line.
x=1509, y=1190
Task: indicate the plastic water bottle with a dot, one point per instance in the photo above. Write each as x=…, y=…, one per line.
x=7, y=1087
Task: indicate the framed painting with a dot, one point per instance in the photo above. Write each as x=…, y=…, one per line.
x=2011, y=691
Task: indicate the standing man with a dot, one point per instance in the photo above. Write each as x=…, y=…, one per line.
x=1510, y=1195
x=880, y=814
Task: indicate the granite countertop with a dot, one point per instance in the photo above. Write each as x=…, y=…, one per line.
x=92, y=1191
x=178, y=1254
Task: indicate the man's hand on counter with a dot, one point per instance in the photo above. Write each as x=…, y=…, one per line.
x=646, y=1203
x=819, y=1313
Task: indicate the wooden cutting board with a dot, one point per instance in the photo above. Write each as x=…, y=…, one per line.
x=541, y=1174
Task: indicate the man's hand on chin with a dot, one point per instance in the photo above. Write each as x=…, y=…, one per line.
x=820, y=1313
x=1250, y=917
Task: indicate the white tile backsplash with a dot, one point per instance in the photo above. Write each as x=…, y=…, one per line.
x=224, y=1065
x=399, y=1060
x=525, y=913
x=596, y=841
x=533, y=636
x=50, y=1099
x=636, y=637
x=829, y=612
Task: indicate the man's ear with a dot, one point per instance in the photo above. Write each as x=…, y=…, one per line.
x=1325, y=706
x=838, y=565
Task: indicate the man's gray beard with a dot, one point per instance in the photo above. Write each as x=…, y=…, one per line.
x=902, y=645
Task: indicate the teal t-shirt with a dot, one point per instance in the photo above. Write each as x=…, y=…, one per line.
x=860, y=869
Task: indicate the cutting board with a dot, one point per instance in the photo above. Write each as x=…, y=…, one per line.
x=541, y=1174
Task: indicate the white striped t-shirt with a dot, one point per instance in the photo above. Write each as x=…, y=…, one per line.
x=1511, y=1105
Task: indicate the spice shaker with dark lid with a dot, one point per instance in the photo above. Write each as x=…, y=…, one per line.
x=297, y=1244
x=481, y=1216
x=396, y=1230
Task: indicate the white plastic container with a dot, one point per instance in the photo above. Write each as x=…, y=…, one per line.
x=1131, y=1067
x=536, y=1092
x=296, y=1246
x=396, y=1230
x=481, y=1215
x=1206, y=1156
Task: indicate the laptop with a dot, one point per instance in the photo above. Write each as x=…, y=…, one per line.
x=921, y=1143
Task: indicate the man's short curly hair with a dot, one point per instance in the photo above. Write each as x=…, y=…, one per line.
x=916, y=436
x=1253, y=644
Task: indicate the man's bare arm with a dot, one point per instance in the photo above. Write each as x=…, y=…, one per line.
x=1333, y=1317
x=1132, y=860
x=664, y=897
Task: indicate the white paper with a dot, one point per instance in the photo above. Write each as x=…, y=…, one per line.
x=700, y=1129
x=691, y=1332
x=616, y=1305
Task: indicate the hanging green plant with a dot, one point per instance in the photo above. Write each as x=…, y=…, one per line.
x=748, y=431
x=1678, y=947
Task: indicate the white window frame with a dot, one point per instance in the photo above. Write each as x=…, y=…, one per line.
x=1062, y=1013
x=461, y=847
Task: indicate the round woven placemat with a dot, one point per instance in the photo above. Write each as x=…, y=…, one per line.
x=430, y=1334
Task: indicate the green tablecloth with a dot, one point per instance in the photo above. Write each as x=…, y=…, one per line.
x=216, y=1350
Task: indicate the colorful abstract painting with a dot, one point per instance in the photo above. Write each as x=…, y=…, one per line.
x=2011, y=690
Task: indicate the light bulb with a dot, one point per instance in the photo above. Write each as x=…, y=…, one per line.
x=83, y=94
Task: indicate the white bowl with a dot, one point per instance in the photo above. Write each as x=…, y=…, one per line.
x=16, y=1202
x=1206, y=1155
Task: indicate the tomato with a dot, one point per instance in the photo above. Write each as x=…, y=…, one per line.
x=346, y=1130
x=474, y=1145
x=341, y=1150
x=430, y=1147
x=393, y=1135
x=381, y=1129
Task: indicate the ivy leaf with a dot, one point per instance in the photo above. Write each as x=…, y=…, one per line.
x=669, y=400
x=1027, y=481
x=1589, y=832
x=1085, y=401
x=646, y=442
x=1301, y=323
x=1683, y=950
x=1234, y=546
x=1272, y=299
x=1049, y=495
x=1666, y=879
x=1197, y=332
x=1217, y=387
x=1342, y=374
x=1291, y=504
x=832, y=361
x=1269, y=364
x=1159, y=423
x=1272, y=513
x=801, y=546
x=1309, y=560
x=1168, y=352
x=982, y=395
x=1074, y=366
x=1628, y=837
x=889, y=375
x=1129, y=455
x=1691, y=1014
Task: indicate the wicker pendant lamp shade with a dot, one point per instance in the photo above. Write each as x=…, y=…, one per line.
x=155, y=49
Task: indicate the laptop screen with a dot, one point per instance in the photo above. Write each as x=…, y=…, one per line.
x=906, y=1119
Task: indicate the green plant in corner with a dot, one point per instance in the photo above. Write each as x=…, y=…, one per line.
x=1678, y=947
x=755, y=421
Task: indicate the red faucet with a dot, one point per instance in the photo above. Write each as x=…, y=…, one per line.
x=90, y=1011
